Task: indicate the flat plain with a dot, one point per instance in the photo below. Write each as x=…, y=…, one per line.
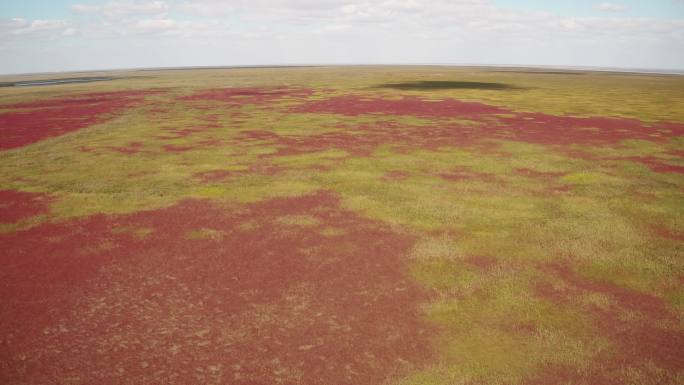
x=342, y=225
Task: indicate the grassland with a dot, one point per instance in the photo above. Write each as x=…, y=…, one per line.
x=352, y=225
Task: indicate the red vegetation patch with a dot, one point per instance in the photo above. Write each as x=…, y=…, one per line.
x=656, y=164
x=84, y=99
x=395, y=175
x=131, y=148
x=191, y=146
x=547, y=177
x=258, y=135
x=18, y=205
x=464, y=173
x=257, y=168
x=200, y=293
x=243, y=96
x=642, y=327
x=528, y=172
x=363, y=140
x=551, y=129
x=561, y=189
x=487, y=123
x=177, y=133
x=159, y=111
x=33, y=122
x=354, y=105
x=669, y=234
x=482, y=262
x=359, y=145
x=214, y=175
x=264, y=168
x=177, y=148
x=646, y=304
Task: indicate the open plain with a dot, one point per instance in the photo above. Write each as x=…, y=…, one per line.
x=342, y=225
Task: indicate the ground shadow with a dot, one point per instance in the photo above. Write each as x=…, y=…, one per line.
x=448, y=85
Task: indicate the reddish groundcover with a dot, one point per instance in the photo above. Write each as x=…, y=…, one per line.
x=487, y=122
x=207, y=293
x=242, y=96
x=27, y=123
x=641, y=328
x=657, y=165
x=18, y=205
x=355, y=105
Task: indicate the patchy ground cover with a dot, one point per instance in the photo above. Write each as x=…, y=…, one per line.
x=29, y=122
x=290, y=290
x=356, y=225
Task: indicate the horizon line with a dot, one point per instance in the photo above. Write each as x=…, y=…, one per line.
x=626, y=70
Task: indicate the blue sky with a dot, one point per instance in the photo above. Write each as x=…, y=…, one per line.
x=36, y=9
x=60, y=35
x=659, y=9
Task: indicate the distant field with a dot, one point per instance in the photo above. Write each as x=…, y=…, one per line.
x=342, y=225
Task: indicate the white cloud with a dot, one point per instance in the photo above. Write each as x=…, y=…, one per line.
x=156, y=24
x=213, y=32
x=69, y=32
x=336, y=28
x=23, y=27
x=611, y=7
x=86, y=8
x=122, y=9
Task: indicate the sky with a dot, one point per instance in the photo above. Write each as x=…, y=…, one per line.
x=72, y=35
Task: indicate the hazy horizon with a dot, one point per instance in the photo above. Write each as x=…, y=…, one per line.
x=512, y=66
x=73, y=35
